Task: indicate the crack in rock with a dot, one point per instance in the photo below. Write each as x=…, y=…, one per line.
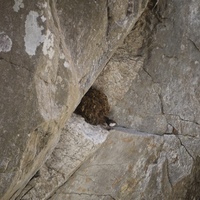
x=53, y=192
x=26, y=192
x=14, y=64
x=184, y=147
x=158, y=93
x=168, y=176
x=108, y=19
x=181, y=119
x=194, y=44
x=57, y=172
x=148, y=74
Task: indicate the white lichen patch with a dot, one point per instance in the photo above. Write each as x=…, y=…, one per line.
x=5, y=42
x=34, y=37
x=43, y=18
x=66, y=64
x=48, y=46
x=62, y=56
x=33, y=33
x=18, y=4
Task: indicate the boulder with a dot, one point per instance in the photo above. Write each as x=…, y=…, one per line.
x=50, y=54
x=152, y=84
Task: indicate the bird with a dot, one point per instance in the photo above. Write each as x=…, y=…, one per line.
x=94, y=108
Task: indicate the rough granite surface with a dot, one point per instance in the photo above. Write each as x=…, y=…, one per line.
x=51, y=52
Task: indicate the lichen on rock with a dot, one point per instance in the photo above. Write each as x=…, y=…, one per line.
x=52, y=52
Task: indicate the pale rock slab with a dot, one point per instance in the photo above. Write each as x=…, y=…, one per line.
x=78, y=141
x=130, y=165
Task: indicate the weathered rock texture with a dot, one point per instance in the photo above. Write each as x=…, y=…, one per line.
x=50, y=54
x=152, y=83
x=130, y=165
x=78, y=141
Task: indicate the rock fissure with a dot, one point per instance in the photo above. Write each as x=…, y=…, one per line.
x=185, y=147
x=108, y=19
x=148, y=74
x=60, y=186
x=47, y=82
x=158, y=93
x=57, y=171
x=154, y=7
x=161, y=104
x=168, y=175
x=181, y=119
x=26, y=192
x=16, y=65
x=187, y=135
x=175, y=132
x=194, y=44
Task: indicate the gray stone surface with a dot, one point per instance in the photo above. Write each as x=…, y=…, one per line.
x=152, y=81
x=50, y=54
x=78, y=141
x=152, y=84
x=130, y=165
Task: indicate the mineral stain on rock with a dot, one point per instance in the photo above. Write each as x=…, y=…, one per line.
x=94, y=108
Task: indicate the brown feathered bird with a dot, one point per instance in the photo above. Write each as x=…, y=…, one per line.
x=94, y=107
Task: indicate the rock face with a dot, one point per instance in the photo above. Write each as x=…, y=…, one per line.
x=130, y=165
x=152, y=84
x=78, y=141
x=50, y=54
